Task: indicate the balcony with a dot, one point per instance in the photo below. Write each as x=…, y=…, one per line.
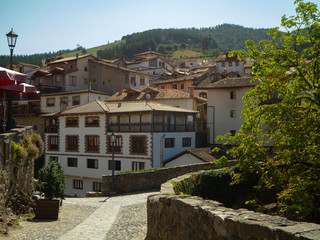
x=149, y=127
x=51, y=129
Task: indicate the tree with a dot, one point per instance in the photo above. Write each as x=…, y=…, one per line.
x=284, y=111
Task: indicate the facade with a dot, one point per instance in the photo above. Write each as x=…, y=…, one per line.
x=109, y=77
x=147, y=133
x=151, y=63
x=51, y=103
x=225, y=104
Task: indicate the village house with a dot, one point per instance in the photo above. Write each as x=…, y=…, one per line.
x=147, y=133
x=110, y=77
x=225, y=104
x=64, y=74
x=151, y=63
x=26, y=68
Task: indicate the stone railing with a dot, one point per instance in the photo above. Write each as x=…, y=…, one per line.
x=139, y=181
x=187, y=217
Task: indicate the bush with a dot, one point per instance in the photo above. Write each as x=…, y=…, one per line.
x=51, y=181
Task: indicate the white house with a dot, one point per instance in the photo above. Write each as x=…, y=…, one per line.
x=190, y=156
x=225, y=104
x=147, y=133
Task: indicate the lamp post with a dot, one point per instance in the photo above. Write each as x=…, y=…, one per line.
x=12, y=39
x=113, y=140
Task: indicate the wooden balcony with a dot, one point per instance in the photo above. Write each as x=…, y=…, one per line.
x=149, y=127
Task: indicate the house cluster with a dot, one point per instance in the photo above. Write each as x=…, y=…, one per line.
x=162, y=113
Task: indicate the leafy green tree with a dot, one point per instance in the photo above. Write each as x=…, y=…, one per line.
x=284, y=112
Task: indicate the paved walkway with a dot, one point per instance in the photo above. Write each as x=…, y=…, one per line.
x=97, y=225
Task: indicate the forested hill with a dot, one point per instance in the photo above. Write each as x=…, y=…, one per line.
x=208, y=42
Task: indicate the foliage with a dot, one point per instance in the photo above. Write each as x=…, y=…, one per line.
x=51, y=181
x=215, y=185
x=18, y=152
x=284, y=111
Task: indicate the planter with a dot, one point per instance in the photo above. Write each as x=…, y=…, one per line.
x=47, y=209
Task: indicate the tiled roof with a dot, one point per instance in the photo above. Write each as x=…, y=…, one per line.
x=159, y=94
x=69, y=59
x=180, y=79
x=224, y=57
x=149, y=52
x=97, y=106
x=238, y=82
x=203, y=154
x=73, y=92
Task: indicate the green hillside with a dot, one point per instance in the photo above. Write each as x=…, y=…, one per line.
x=175, y=43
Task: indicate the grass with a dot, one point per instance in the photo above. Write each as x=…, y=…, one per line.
x=185, y=54
x=93, y=51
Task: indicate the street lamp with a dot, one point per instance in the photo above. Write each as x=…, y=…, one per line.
x=113, y=140
x=12, y=39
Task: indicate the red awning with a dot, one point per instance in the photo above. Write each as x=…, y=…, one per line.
x=9, y=77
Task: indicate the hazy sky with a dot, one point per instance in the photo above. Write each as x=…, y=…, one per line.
x=51, y=25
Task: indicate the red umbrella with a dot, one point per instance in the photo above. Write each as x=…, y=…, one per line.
x=23, y=88
x=10, y=77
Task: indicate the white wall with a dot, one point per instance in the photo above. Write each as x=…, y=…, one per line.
x=239, y=69
x=219, y=105
x=170, y=152
x=184, y=159
x=81, y=74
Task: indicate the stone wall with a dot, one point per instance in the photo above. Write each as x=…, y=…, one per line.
x=16, y=178
x=139, y=181
x=188, y=217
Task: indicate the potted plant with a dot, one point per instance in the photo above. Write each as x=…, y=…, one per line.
x=51, y=185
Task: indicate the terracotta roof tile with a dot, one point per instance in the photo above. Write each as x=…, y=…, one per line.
x=203, y=154
x=237, y=82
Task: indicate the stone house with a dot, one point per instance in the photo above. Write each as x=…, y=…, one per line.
x=147, y=133
x=110, y=77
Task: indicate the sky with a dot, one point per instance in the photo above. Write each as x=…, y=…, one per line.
x=52, y=25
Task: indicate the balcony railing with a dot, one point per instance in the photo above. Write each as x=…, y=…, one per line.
x=51, y=129
x=149, y=127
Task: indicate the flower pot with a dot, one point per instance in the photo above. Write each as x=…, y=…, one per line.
x=47, y=209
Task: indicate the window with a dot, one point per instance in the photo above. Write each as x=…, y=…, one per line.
x=216, y=77
x=72, y=143
x=64, y=100
x=133, y=80
x=230, y=64
x=117, y=144
x=57, y=78
x=77, y=184
x=126, y=79
x=181, y=86
x=92, y=143
x=53, y=143
x=53, y=159
x=161, y=64
x=96, y=186
x=72, y=81
x=233, y=132
x=86, y=69
x=169, y=142
x=50, y=102
x=75, y=100
x=92, y=163
x=92, y=121
x=237, y=64
x=232, y=75
x=153, y=63
x=72, y=122
x=203, y=94
x=72, y=162
x=117, y=165
x=70, y=67
x=162, y=87
x=174, y=86
x=232, y=113
x=138, y=144
x=186, y=142
x=233, y=95
x=142, y=82
x=138, y=166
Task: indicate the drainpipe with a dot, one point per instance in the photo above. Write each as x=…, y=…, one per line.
x=161, y=150
x=99, y=75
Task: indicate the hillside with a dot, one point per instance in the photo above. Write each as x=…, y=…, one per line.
x=175, y=43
